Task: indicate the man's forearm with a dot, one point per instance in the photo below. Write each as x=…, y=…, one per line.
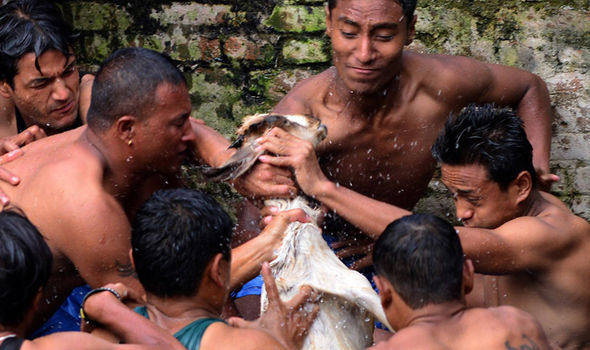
x=369, y=215
x=211, y=146
x=127, y=325
x=535, y=111
x=247, y=260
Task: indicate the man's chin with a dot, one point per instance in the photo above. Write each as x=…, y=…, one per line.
x=364, y=88
x=60, y=123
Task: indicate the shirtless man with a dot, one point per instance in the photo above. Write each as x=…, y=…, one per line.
x=534, y=248
x=384, y=107
x=423, y=278
x=181, y=253
x=40, y=89
x=26, y=264
x=80, y=187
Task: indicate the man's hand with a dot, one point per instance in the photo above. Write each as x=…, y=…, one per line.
x=10, y=149
x=299, y=155
x=287, y=322
x=275, y=230
x=95, y=304
x=266, y=181
x=546, y=179
x=12, y=143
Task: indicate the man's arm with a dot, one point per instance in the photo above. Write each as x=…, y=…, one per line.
x=511, y=87
x=369, y=215
x=248, y=257
x=85, y=96
x=94, y=233
x=524, y=243
x=128, y=326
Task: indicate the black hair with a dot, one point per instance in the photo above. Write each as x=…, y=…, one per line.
x=31, y=26
x=408, y=7
x=175, y=235
x=25, y=266
x=421, y=256
x=488, y=136
x=126, y=84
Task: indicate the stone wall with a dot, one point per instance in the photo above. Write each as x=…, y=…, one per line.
x=242, y=56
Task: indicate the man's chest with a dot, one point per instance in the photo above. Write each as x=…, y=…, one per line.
x=390, y=161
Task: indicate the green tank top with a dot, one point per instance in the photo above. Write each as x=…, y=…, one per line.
x=190, y=336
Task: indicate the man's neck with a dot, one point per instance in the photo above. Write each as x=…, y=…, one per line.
x=120, y=178
x=366, y=105
x=175, y=313
x=534, y=205
x=435, y=313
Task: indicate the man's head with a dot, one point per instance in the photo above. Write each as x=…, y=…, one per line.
x=178, y=237
x=368, y=38
x=25, y=265
x=37, y=67
x=420, y=257
x=140, y=96
x=408, y=6
x=487, y=165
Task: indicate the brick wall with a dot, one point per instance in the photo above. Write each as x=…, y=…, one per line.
x=242, y=56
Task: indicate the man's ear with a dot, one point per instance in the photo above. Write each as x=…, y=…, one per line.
x=384, y=288
x=131, y=258
x=5, y=90
x=468, y=272
x=411, y=30
x=523, y=185
x=217, y=270
x=37, y=300
x=126, y=128
x=328, y=21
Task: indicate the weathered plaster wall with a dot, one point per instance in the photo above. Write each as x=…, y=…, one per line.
x=242, y=56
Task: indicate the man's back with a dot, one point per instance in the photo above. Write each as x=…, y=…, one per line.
x=61, y=192
x=494, y=328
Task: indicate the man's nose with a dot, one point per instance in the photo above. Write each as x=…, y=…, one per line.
x=188, y=133
x=60, y=91
x=464, y=212
x=364, y=52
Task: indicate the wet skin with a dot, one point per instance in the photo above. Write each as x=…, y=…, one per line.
x=47, y=97
x=80, y=188
x=536, y=248
x=384, y=107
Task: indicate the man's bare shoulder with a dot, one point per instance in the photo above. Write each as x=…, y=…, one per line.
x=559, y=215
x=306, y=93
x=63, y=163
x=413, y=337
x=555, y=220
x=521, y=328
x=445, y=76
x=221, y=336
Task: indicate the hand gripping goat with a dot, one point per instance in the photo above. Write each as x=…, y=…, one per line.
x=349, y=303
